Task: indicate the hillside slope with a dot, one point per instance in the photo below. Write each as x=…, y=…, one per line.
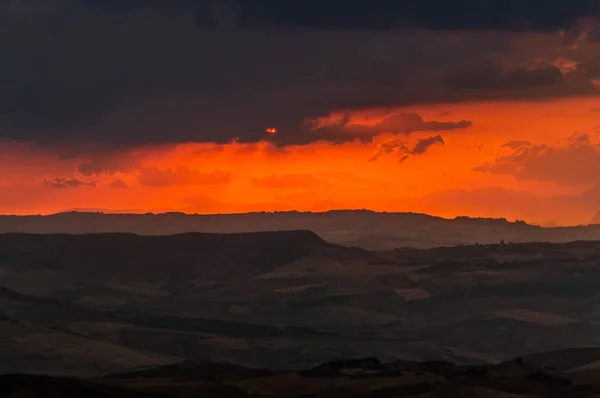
x=91, y=304
x=362, y=228
x=360, y=377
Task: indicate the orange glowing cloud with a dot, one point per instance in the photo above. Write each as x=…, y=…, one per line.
x=536, y=161
x=181, y=176
x=287, y=181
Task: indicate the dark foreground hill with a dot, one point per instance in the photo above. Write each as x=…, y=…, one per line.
x=87, y=305
x=367, y=229
x=364, y=377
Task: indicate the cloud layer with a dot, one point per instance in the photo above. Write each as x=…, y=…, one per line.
x=575, y=162
x=181, y=176
x=152, y=72
x=400, y=123
x=404, y=149
x=376, y=15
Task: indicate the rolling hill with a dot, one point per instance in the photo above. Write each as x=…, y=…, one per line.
x=362, y=228
x=356, y=377
x=92, y=304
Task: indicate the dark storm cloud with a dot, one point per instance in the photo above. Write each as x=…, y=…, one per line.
x=424, y=144
x=67, y=183
x=373, y=14
x=404, y=123
x=492, y=77
x=141, y=72
x=110, y=162
x=322, y=15
x=135, y=84
x=593, y=34
x=579, y=138
x=516, y=144
x=405, y=149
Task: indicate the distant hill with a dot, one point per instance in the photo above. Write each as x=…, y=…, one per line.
x=367, y=229
x=91, y=304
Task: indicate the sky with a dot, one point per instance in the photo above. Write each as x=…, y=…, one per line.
x=484, y=109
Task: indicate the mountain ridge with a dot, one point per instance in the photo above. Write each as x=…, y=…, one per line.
x=360, y=228
x=251, y=213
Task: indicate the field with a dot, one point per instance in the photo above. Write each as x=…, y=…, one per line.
x=87, y=305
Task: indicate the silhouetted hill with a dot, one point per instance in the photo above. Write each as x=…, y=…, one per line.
x=152, y=257
x=363, y=228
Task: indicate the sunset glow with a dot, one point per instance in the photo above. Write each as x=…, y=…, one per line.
x=300, y=198
x=447, y=120
x=460, y=176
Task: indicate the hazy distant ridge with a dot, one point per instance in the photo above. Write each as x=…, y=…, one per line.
x=363, y=228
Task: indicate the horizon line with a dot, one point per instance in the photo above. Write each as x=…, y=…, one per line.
x=109, y=212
